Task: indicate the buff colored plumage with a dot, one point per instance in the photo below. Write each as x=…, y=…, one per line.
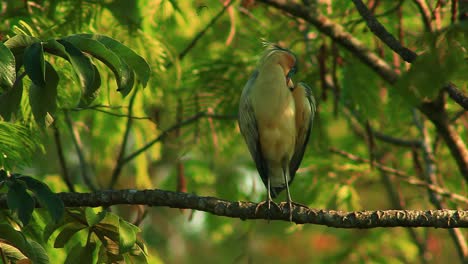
x=275, y=119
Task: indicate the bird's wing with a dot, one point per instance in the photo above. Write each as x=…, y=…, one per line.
x=306, y=110
x=249, y=129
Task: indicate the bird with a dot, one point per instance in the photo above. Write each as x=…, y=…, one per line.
x=275, y=119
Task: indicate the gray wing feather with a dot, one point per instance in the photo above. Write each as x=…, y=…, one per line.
x=249, y=129
x=302, y=144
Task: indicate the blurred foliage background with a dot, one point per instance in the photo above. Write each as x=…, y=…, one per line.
x=201, y=53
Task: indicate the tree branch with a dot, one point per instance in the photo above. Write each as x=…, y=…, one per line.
x=380, y=31
x=337, y=33
x=340, y=35
x=457, y=95
x=425, y=13
x=246, y=210
x=404, y=176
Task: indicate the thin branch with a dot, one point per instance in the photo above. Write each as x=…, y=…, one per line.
x=84, y=167
x=385, y=13
x=61, y=156
x=175, y=127
x=119, y=164
x=246, y=210
x=112, y=113
x=438, y=115
x=396, y=141
x=431, y=178
x=398, y=203
x=379, y=30
x=202, y=33
x=425, y=13
x=404, y=176
x=428, y=157
x=340, y=35
x=457, y=95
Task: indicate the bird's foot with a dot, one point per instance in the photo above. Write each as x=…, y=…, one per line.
x=290, y=205
x=267, y=202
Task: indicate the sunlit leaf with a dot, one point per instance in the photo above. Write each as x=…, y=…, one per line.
x=7, y=69
x=17, y=144
x=123, y=74
x=14, y=238
x=84, y=69
x=10, y=252
x=127, y=237
x=93, y=218
x=68, y=231
x=136, y=62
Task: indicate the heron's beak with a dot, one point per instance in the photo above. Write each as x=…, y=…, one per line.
x=289, y=83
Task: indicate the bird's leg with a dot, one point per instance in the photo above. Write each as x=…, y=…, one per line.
x=268, y=201
x=287, y=192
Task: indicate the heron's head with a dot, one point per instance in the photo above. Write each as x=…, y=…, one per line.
x=275, y=54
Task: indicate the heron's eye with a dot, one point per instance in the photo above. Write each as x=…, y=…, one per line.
x=291, y=72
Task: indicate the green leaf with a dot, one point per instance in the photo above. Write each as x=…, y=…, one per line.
x=38, y=255
x=20, y=201
x=92, y=218
x=43, y=99
x=66, y=233
x=84, y=69
x=46, y=197
x=7, y=68
x=17, y=144
x=83, y=254
x=92, y=92
x=11, y=99
x=3, y=175
x=18, y=43
x=360, y=93
x=135, y=61
x=69, y=217
x=123, y=73
x=127, y=236
x=11, y=253
x=34, y=63
x=14, y=238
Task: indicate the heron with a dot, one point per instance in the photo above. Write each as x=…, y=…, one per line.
x=275, y=119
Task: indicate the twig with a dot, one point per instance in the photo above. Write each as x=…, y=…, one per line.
x=425, y=13
x=63, y=164
x=119, y=164
x=404, y=176
x=246, y=210
x=457, y=95
x=385, y=13
x=84, y=168
x=436, y=112
x=380, y=31
x=112, y=113
x=396, y=141
x=175, y=127
x=454, y=7
x=431, y=178
x=201, y=33
x=341, y=36
x=397, y=203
